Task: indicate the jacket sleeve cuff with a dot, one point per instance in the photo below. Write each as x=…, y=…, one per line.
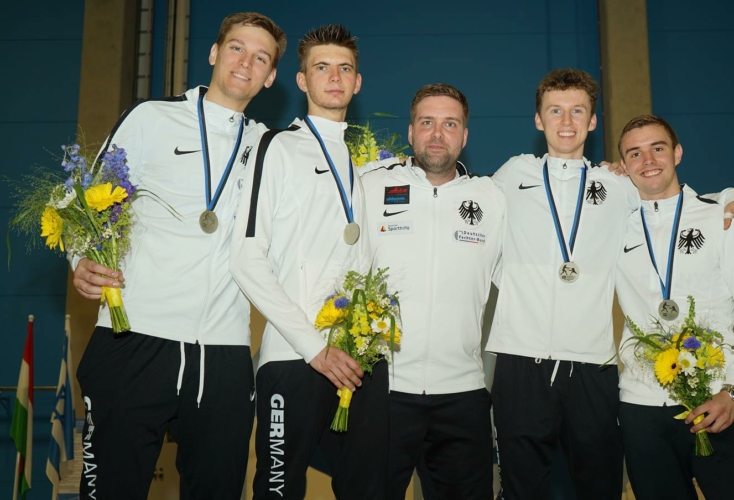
x=311, y=346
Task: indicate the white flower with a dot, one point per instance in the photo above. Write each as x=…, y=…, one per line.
x=687, y=362
x=63, y=203
x=380, y=325
x=692, y=383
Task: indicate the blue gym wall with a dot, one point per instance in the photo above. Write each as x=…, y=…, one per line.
x=691, y=72
x=41, y=47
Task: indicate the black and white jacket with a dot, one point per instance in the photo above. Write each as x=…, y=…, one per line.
x=288, y=249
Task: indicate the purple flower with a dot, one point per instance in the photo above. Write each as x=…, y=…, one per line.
x=69, y=184
x=383, y=154
x=341, y=302
x=691, y=343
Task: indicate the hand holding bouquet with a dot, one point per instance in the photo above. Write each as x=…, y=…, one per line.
x=685, y=361
x=362, y=319
x=86, y=214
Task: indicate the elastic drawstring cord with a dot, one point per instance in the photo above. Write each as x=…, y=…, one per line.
x=201, y=373
x=201, y=377
x=555, y=369
x=181, y=370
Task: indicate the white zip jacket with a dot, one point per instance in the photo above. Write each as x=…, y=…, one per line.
x=537, y=314
x=442, y=245
x=293, y=254
x=703, y=267
x=177, y=280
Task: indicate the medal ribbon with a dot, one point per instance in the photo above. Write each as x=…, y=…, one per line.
x=664, y=287
x=212, y=202
x=347, y=203
x=566, y=251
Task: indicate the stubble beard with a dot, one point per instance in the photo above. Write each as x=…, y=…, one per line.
x=436, y=165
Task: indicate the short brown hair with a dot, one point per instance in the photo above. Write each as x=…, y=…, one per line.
x=439, y=89
x=331, y=34
x=567, y=79
x=259, y=21
x=645, y=121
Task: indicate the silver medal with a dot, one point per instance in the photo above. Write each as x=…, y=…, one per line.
x=208, y=221
x=668, y=310
x=351, y=233
x=568, y=272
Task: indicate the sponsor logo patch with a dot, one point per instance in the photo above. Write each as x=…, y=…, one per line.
x=474, y=237
x=397, y=195
x=398, y=227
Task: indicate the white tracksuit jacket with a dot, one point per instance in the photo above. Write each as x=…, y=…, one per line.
x=294, y=255
x=442, y=245
x=537, y=314
x=704, y=270
x=177, y=280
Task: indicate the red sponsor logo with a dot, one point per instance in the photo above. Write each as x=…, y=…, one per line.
x=398, y=190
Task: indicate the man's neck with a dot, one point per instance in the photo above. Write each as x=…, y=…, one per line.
x=440, y=178
x=214, y=96
x=669, y=192
x=335, y=115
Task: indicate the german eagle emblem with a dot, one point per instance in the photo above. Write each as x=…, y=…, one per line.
x=596, y=193
x=690, y=241
x=471, y=213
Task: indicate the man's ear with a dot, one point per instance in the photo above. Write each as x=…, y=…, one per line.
x=270, y=79
x=213, y=54
x=301, y=81
x=538, y=122
x=592, y=123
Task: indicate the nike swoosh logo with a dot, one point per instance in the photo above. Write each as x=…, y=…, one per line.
x=626, y=250
x=390, y=214
x=528, y=187
x=316, y=169
x=179, y=152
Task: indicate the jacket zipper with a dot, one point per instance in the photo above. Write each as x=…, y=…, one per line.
x=432, y=261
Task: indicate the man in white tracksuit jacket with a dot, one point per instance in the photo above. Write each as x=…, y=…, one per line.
x=566, y=221
x=694, y=257
x=291, y=248
x=186, y=366
x=439, y=230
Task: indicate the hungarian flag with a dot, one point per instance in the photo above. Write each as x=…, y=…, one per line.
x=21, y=427
x=61, y=449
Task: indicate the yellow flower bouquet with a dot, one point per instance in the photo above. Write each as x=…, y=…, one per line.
x=685, y=360
x=363, y=319
x=86, y=214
